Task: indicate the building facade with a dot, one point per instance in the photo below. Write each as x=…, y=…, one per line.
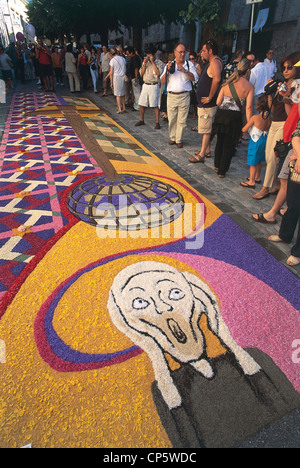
x=280, y=29
x=14, y=19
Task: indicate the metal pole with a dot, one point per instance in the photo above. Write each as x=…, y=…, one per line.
x=251, y=27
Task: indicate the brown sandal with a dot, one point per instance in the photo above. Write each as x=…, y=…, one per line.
x=258, y=196
x=196, y=159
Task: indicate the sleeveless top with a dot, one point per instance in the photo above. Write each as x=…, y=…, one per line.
x=230, y=104
x=203, y=88
x=83, y=59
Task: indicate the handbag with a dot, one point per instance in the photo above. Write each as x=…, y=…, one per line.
x=282, y=149
x=294, y=176
x=93, y=66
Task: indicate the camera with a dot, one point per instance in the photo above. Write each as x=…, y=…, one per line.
x=172, y=67
x=271, y=87
x=283, y=88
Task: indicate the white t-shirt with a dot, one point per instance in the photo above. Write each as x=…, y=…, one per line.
x=178, y=82
x=4, y=64
x=259, y=76
x=271, y=65
x=118, y=63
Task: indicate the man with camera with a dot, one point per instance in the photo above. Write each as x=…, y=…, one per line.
x=150, y=71
x=179, y=74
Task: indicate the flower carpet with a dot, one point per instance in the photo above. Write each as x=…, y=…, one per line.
x=150, y=322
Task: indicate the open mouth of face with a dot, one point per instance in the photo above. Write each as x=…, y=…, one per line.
x=176, y=331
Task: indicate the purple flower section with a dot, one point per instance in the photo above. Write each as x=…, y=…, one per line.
x=226, y=241
x=61, y=100
x=64, y=351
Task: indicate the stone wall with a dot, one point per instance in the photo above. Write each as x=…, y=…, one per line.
x=283, y=35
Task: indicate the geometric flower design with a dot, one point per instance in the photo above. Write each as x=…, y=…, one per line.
x=40, y=157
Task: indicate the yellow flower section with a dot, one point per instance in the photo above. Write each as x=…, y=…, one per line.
x=82, y=320
x=108, y=407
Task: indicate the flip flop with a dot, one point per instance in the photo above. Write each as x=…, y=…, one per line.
x=261, y=219
x=275, y=238
x=266, y=195
x=293, y=261
x=246, y=185
x=257, y=181
x=195, y=159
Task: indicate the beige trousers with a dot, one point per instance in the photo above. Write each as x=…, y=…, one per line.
x=275, y=134
x=178, y=106
x=73, y=77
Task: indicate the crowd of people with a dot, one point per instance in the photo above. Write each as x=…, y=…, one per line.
x=245, y=98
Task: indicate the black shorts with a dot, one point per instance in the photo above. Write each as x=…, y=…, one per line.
x=45, y=70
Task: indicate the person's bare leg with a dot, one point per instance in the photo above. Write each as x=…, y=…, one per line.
x=119, y=108
x=156, y=111
x=258, y=171
x=122, y=102
x=252, y=175
x=205, y=148
x=296, y=145
x=142, y=113
x=278, y=204
x=264, y=191
x=45, y=83
x=276, y=188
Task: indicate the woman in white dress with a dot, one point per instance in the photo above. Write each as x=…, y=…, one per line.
x=117, y=72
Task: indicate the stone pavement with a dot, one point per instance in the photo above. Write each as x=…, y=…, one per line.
x=227, y=194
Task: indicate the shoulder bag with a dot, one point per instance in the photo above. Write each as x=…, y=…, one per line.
x=235, y=96
x=294, y=176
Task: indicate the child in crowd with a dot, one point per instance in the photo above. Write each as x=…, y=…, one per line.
x=257, y=127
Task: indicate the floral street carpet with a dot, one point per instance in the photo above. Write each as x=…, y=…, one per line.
x=133, y=313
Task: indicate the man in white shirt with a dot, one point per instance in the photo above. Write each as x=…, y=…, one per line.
x=270, y=63
x=259, y=76
x=179, y=88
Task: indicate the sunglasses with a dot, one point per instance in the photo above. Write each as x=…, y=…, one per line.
x=192, y=58
x=289, y=67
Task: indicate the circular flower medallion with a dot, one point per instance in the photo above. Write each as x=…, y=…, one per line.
x=129, y=203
